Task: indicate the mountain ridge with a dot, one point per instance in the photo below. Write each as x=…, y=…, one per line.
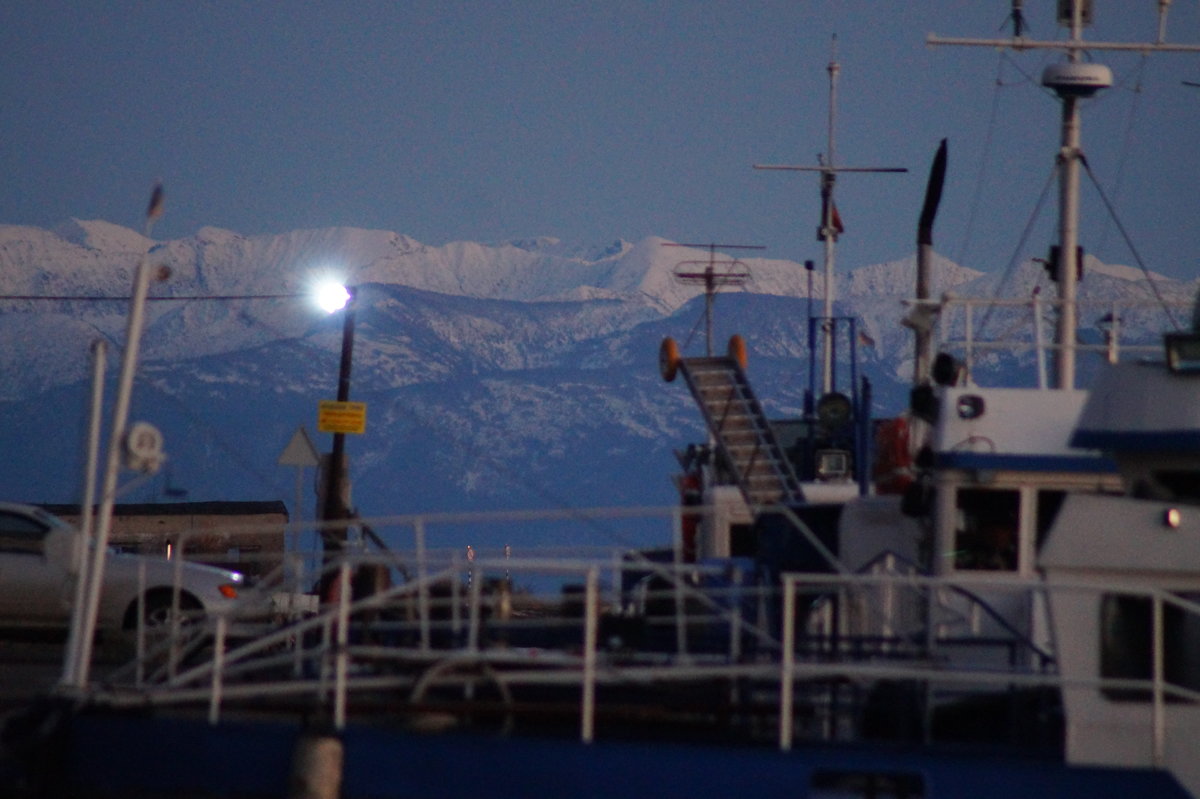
x=496, y=375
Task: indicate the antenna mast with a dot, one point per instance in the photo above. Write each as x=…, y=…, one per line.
x=831, y=223
x=712, y=274
x=1073, y=81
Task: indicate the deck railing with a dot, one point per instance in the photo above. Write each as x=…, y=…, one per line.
x=971, y=327
x=448, y=632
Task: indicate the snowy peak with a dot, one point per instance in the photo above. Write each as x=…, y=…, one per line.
x=899, y=278
x=96, y=234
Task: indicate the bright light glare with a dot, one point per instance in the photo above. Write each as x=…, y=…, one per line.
x=332, y=296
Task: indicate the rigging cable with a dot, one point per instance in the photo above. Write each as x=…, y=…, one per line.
x=1112, y=212
x=984, y=161
x=1127, y=140
x=1014, y=259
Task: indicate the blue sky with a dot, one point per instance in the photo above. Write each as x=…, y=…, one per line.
x=586, y=121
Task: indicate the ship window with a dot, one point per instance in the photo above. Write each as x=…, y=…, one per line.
x=743, y=540
x=1181, y=484
x=1048, y=505
x=865, y=785
x=1127, y=641
x=986, y=534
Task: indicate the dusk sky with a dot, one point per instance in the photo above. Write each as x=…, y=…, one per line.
x=586, y=121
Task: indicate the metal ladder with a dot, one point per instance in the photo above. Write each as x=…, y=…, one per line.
x=740, y=430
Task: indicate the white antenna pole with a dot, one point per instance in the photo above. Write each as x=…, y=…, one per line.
x=828, y=232
x=830, y=222
x=133, y=334
x=1073, y=81
x=1068, y=221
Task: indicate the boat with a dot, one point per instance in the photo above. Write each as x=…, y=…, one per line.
x=1010, y=607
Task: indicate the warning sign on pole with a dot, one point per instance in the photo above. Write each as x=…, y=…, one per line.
x=341, y=417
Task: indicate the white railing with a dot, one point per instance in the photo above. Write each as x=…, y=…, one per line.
x=1016, y=325
x=516, y=618
x=936, y=667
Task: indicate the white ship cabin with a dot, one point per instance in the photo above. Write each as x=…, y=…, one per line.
x=1141, y=554
x=1003, y=461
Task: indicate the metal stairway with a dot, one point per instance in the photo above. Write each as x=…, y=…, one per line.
x=740, y=430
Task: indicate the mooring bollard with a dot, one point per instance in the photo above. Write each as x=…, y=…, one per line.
x=316, y=767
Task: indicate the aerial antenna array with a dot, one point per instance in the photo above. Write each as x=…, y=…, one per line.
x=713, y=275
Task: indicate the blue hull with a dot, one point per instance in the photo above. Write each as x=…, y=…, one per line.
x=101, y=755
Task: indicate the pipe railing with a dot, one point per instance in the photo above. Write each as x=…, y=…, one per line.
x=485, y=611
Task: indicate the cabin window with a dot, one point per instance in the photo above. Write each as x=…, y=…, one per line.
x=828, y=784
x=1181, y=485
x=1127, y=645
x=1048, y=505
x=987, y=529
x=743, y=540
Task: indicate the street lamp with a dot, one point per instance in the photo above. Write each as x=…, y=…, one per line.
x=333, y=297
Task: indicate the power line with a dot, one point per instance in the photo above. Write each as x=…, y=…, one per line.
x=104, y=298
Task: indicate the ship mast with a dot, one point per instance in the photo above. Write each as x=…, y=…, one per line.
x=831, y=224
x=1073, y=81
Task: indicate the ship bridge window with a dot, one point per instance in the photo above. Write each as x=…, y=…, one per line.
x=1182, y=485
x=1127, y=645
x=828, y=784
x=985, y=537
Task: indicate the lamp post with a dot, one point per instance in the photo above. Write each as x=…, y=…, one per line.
x=336, y=499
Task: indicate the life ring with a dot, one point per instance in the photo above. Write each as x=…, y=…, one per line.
x=737, y=350
x=668, y=359
x=893, y=470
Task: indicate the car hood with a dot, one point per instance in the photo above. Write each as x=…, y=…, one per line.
x=160, y=570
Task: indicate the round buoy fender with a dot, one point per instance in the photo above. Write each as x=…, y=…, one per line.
x=737, y=350
x=668, y=359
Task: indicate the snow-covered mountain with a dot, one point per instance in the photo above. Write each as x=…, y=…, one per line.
x=511, y=375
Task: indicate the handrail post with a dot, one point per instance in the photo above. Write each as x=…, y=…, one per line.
x=422, y=583
x=473, y=618
x=1158, y=713
x=341, y=662
x=218, y=671
x=1040, y=342
x=787, y=662
x=587, y=723
x=677, y=582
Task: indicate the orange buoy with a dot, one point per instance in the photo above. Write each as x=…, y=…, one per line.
x=737, y=350
x=668, y=359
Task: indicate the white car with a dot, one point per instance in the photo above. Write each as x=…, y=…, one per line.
x=37, y=586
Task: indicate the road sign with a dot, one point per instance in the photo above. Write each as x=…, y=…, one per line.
x=341, y=417
x=299, y=451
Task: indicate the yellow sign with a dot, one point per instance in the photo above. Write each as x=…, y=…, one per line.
x=341, y=417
